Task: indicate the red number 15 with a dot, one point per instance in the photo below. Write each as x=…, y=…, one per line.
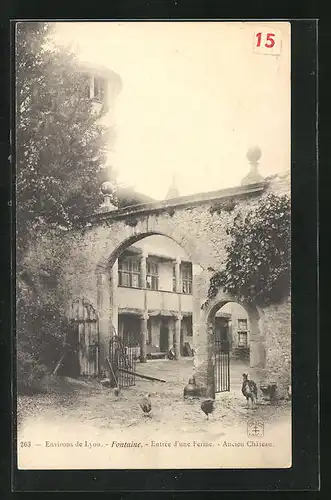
x=270, y=42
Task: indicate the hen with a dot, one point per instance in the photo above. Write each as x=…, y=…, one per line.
x=249, y=390
x=207, y=406
x=146, y=405
x=191, y=389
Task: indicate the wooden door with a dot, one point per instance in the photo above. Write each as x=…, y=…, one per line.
x=164, y=338
x=84, y=321
x=88, y=348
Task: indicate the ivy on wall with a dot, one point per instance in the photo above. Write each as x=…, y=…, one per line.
x=131, y=220
x=257, y=266
x=223, y=206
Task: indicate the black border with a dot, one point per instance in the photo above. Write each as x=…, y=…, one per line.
x=304, y=473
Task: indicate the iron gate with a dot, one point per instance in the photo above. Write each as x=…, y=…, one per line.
x=122, y=362
x=221, y=365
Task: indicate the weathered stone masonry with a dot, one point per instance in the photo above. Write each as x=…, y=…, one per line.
x=86, y=257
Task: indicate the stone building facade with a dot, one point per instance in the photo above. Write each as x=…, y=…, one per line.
x=153, y=277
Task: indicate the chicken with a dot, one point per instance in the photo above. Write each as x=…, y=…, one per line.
x=146, y=405
x=269, y=391
x=191, y=389
x=117, y=392
x=207, y=406
x=249, y=390
x=105, y=382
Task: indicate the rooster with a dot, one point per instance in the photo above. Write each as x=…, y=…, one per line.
x=207, y=406
x=146, y=405
x=249, y=390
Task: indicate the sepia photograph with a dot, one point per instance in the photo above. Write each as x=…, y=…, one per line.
x=153, y=245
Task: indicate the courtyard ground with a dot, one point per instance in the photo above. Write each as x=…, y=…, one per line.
x=74, y=409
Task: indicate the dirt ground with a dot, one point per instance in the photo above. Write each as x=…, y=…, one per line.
x=90, y=402
x=176, y=435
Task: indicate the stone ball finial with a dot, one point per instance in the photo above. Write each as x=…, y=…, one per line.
x=107, y=187
x=254, y=154
x=108, y=190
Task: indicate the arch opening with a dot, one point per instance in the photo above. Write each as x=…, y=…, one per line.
x=236, y=342
x=145, y=289
x=107, y=263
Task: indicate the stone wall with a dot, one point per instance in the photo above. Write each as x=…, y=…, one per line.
x=276, y=324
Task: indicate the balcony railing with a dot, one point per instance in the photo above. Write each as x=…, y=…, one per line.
x=156, y=299
x=131, y=297
x=187, y=302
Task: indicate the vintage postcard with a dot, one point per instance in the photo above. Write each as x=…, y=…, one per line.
x=153, y=256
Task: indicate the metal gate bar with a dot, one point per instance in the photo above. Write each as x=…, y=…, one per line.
x=221, y=366
x=122, y=361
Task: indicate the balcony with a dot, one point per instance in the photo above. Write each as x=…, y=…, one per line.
x=130, y=298
x=158, y=300
x=162, y=300
x=187, y=302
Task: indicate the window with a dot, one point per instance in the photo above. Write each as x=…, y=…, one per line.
x=242, y=332
x=242, y=339
x=99, y=89
x=242, y=324
x=174, y=278
x=129, y=272
x=187, y=278
x=152, y=281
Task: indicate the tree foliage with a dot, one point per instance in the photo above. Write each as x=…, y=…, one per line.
x=59, y=159
x=257, y=267
x=59, y=155
x=39, y=332
x=59, y=141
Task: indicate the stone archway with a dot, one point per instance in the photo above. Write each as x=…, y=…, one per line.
x=205, y=361
x=184, y=242
x=198, y=223
x=106, y=272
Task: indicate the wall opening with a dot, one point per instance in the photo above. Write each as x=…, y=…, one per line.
x=146, y=286
x=236, y=343
x=232, y=323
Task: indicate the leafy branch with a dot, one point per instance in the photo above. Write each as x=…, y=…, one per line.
x=257, y=267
